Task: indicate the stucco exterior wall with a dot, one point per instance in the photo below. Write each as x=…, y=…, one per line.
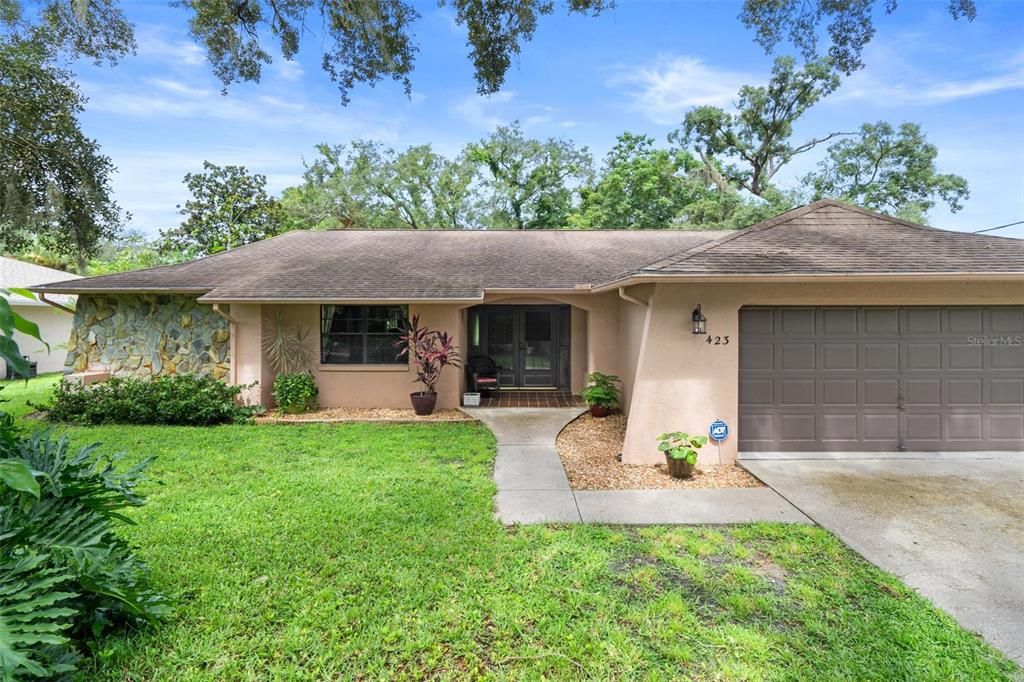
x=148, y=335
x=684, y=383
x=632, y=324
x=54, y=327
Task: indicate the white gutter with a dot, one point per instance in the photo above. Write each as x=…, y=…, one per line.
x=810, y=278
x=636, y=301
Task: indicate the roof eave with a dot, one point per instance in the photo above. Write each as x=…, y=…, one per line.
x=740, y=278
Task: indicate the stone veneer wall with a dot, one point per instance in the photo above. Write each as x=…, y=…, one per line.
x=148, y=335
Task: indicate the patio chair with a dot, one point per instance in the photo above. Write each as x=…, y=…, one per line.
x=484, y=373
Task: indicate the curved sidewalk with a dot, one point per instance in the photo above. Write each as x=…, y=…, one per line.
x=533, y=487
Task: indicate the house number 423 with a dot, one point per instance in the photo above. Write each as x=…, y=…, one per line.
x=717, y=341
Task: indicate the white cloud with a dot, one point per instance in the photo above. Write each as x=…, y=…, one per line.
x=567, y=124
x=536, y=120
x=890, y=79
x=153, y=44
x=664, y=89
x=178, y=87
x=288, y=69
x=485, y=111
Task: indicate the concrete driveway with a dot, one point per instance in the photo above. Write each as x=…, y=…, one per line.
x=952, y=528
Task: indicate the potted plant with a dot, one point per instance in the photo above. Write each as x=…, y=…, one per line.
x=602, y=393
x=681, y=452
x=430, y=351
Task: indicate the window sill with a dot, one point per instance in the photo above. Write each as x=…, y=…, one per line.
x=363, y=368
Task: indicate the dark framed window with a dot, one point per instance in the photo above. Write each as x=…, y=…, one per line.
x=361, y=334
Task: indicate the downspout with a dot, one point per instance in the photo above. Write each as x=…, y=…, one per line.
x=636, y=301
x=232, y=341
x=58, y=306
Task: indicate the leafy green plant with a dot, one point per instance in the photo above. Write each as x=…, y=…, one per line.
x=680, y=445
x=295, y=393
x=10, y=322
x=185, y=399
x=602, y=390
x=65, y=575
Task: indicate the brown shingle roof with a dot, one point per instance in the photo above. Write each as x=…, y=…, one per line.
x=404, y=264
x=828, y=237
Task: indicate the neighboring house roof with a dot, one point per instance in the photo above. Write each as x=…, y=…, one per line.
x=823, y=238
x=828, y=237
x=21, y=275
x=405, y=264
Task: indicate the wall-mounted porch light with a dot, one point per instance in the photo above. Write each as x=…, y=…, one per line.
x=700, y=323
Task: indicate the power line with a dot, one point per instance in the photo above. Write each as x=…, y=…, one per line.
x=999, y=227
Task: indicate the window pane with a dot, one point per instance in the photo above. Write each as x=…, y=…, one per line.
x=347, y=319
x=384, y=319
x=381, y=348
x=342, y=349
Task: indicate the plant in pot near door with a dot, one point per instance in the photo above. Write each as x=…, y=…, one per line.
x=602, y=393
x=430, y=351
x=681, y=452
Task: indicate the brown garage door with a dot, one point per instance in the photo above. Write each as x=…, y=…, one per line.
x=878, y=379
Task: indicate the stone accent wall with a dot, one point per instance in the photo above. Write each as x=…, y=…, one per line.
x=148, y=335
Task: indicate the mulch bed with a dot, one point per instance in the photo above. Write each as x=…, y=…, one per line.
x=589, y=448
x=365, y=415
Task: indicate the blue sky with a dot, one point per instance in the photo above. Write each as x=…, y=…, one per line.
x=639, y=67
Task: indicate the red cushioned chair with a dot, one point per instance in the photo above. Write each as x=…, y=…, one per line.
x=484, y=374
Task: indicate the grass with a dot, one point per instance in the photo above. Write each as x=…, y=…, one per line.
x=311, y=552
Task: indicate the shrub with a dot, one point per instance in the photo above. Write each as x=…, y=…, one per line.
x=680, y=445
x=186, y=399
x=65, y=576
x=602, y=390
x=295, y=392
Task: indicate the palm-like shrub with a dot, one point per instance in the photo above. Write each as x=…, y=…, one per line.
x=430, y=351
x=602, y=390
x=65, y=576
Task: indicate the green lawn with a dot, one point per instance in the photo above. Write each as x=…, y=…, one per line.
x=359, y=551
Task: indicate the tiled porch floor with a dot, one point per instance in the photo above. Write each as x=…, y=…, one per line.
x=531, y=399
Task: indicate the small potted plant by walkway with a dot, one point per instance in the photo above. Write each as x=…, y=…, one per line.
x=430, y=351
x=602, y=393
x=681, y=452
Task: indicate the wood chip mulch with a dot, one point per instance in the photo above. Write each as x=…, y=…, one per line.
x=589, y=448
x=366, y=414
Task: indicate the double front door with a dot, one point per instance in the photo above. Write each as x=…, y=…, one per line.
x=529, y=344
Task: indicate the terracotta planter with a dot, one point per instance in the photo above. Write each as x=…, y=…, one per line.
x=423, y=403
x=598, y=411
x=679, y=468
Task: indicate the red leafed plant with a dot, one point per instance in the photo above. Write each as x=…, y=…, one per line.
x=430, y=350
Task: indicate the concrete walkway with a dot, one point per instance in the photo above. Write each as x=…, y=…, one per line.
x=533, y=488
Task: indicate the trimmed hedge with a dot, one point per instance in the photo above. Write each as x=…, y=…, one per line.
x=295, y=393
x=186, y=400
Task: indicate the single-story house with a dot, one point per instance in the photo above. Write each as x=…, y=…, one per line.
x=54, y=321
x=828, y=328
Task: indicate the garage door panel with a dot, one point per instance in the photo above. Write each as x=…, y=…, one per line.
x=1005, y=356
x=796, y=356
x=923, y=322
x=757, y=392
x=1006, y=392
x=883, y=357
x=1006, y=427
x=923, y=391
x=1007, y=320
x=965, y=391
x=881, y=378
x=963, y=356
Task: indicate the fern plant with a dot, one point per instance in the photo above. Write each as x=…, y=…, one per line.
x=64, y=574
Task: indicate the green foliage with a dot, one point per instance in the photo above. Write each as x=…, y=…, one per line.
x=640, y=187
x=54, y=182
x=186, y=399
x=530, y=183
x=362, y=41
x=11, y=321
x=602, y=390
x=369, y=185
x=66, y=577
x=229, y=207
x=680, y=445
x=295, y=393
x=132, y=251
x=758, y=136
x=887, y=169
x=850, y=25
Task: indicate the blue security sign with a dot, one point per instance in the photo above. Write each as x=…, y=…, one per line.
x=718, y=430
